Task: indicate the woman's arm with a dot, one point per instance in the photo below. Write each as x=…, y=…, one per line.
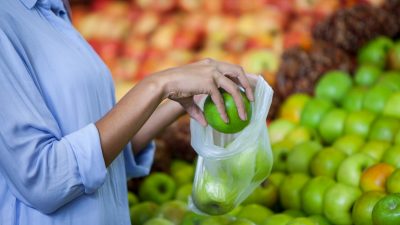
x=179, y=84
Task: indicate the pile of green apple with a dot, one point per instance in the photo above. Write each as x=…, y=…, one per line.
x=337, y=153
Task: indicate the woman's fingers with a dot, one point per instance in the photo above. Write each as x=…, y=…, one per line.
x=219, y=102
x=193, y=110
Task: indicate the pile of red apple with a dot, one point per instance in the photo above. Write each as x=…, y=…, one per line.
x=136, y=38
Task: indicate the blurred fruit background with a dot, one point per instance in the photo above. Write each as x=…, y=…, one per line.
x=334, y=124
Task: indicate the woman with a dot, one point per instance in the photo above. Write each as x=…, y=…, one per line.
x=66, y=148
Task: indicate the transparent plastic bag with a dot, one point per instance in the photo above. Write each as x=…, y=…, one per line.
x=231, y=166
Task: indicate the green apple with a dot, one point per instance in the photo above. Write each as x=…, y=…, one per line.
x=354, y=99
x=366, y=75
x=235, y=123
x=280, y=152
x=301, y=221
x=157, y=187
x=338, y=202
x=349, y=143
x=277, y=219
x=326, y=162
x=362, y=210
x=392, y=106
x=218, y=220
x=191, y=218
x=394, y=56
x=375, y=149
x=294, y=213
x=276, y=178
x=312, y=194
x=292, y=107
x=263, y=165
x=182, y=172
x=397, y=138
x=235, y=211
x=391, y=80
x=392, y=156
x=351, y=169
x=173, y=211
x=333, y=86
x=393, y=182
x=158, y=221
x=387, y=210
x=266, y=194
x=299, y=135
x=299, y=158
x=132, y=199
x=313, y=111
x=384, y=129
x=382, y=42
x=142, y=212
x=289, y=193
x=319, y=220
x=242, y=222
x=332, y=125
x=376, y=97
x=255, y=213
x=359, y=123
x=184, y=192
x=278, y=129
x=372, y=54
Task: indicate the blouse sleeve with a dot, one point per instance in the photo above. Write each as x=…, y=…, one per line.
x=42, y=168
x=139, y=165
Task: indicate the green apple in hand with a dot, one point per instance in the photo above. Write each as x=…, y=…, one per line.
x=173, y=211
x=157, y=187
x=351, y=169
x=142, y=212
x=349, y=143
x=375, y=149
x=278, y=219
x=359, y=123
x=278, y=129
x=362, y=210
x=255, y=213
x=387, y=210
x=326, y=162
x=313, y=112
x=392, y=156
x=158, y=221
x=332, y=125
x=290, y=188
x=384, y=129
x=338, y=202
x=392, y=106
x=312, y=194
x=299, y=158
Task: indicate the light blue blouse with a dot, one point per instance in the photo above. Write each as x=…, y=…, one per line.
x=53, y=87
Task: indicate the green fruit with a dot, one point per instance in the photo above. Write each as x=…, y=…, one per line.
x=184, y=192
x=333, y=86
x=143, y=212
x=278, y=219
x=354, y=99
x=182, y=172
x=375, y=149
x=191, y=218
x=351, y=169
x=255, y=213
x=349, y=144
x=290, y=188
x=173, y=211
x=387, y=210
x=332, y=125
x=300, y=157
x=392, y=106
x=367, y=75
x=320, y=220
x=313, y=111
x=393, y=182
x=292, y=107
x=382, y=42
x=132, y=199
x=391, y=80
x=397, y=138
x=338, y=202
x=157, y=187
x=266, y=194
x=362, y=210
x=158, y=221
x=359, y=123
x=276, y=178
x=235, y=123
x=278, y=129
x=372, y=54
x=242, y=222
x=280, y=153
x=384, y=129
x=301, y=221
x=376, y=97
x=326, y=162
x=312, y=194
x=299, y=135
x=394, y=56
x=294, y=213
x=392, y=156
x=218, y=220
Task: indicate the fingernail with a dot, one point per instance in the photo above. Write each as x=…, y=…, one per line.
x=243, y=116
x=226, y=119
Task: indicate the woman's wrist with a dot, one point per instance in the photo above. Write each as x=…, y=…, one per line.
x=160, y=81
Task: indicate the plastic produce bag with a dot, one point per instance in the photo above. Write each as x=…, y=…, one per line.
x=231, y=166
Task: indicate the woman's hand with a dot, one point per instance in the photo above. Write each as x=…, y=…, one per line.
x=182, y=84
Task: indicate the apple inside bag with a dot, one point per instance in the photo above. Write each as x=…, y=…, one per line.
x=231, y=166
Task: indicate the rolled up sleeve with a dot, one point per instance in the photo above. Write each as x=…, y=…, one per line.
x=139, y=165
